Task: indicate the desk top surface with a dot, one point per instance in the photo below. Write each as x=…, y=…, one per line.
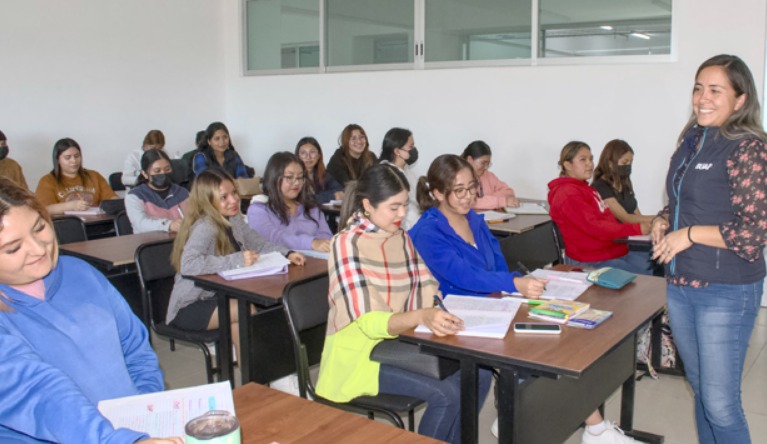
x=520, y=223
x=112, y=251
x=93, y=218
x=263, y=290
x=572, y=352
x=268, y=416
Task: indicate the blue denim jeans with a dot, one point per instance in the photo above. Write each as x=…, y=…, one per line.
x=711, y=328
x=635, y=261
x=442, y=418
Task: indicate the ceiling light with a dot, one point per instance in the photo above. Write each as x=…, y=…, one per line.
x=606, y=27
x=640, y=35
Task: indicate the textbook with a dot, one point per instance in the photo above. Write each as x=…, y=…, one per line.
x=528, y=208
x=589, y=319
x=558, y=311
x=492, y=217
x=482, y=316
x=91, y=211
x=267, y=264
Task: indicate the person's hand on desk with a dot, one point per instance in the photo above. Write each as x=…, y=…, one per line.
x=512, y=202
x=297, y=258
x=530, y=287
x=173, y=440
x=77, y=205
x=249, y=257
x=440, y=322
x=671, y=244
x=322, y=245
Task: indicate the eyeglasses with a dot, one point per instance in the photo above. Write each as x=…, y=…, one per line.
x=461, y=192
x=308, y=154
x=358, y=138
x=294, y=179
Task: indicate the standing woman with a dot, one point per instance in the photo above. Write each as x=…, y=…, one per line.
x=68, y=339
x=380, y=287
x=493, y=192
x=711, y=237
x=326, y=188
x=217, y=151
x=290, y=216
x=154, y=140
x=156, y=203
x=589, y=229
x=399, y=151
x=352, y=157
x=213, y=237
x=612, y=180
x=70, y=187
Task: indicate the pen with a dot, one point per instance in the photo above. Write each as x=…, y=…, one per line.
x=496, y=221
x=181, y=213
x=522, y=268
x=534, y=302
x=439, y=303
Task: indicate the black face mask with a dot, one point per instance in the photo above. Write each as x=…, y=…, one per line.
x=624, y=170
x=160, y=181
x=413, y=156
x=3, y=152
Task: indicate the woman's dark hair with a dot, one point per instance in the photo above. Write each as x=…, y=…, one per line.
x=319, y=168
x=366, y=158
x=199, y=139
x=59, y=147
x=607, y=169
x=394, y=138
x=441, y=176
x=2, y=136
x=568, y=153
x=275, y=169
x=147, y=159
x=376, y=184
x=476, y=149
x=746, y=121
x=210, y=131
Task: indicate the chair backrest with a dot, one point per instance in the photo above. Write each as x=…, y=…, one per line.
x=306, y=307
x=69, y=229
x=560, y=241
x=181, y=172
x=116, y=181
x=535, y=248
x=122, y=224
x=156, y=276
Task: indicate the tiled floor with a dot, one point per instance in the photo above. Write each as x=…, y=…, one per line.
x=663, y=406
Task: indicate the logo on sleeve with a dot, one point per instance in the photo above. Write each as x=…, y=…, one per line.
x=704, y=166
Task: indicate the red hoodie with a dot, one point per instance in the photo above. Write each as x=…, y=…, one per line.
x=587, y=225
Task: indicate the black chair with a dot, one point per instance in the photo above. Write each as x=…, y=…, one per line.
x=181, y=172
x=69, y=229
x=156, y=276
x=535, y=248
x=122, y=224
x=306, y=307
x=116, y=181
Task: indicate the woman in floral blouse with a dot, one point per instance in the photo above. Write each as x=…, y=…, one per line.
x=711, y=237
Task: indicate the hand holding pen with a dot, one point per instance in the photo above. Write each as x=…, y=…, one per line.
x=440, y=321
x=530, y=287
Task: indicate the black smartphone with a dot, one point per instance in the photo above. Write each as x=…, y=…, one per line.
x=537, y=327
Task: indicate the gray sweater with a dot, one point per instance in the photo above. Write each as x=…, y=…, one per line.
x=199, y=257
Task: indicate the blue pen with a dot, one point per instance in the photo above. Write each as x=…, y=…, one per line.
x=439, y=303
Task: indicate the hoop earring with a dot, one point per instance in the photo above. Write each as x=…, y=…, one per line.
x=366, y=213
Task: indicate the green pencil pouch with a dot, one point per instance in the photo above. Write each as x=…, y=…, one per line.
x=610, y=277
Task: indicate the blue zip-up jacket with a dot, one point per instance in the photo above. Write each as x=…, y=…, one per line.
x=61, y=356
x=459, y=267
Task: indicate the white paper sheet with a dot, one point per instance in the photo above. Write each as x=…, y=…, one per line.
x=483, y=317
x=528, y=208
x=267, y=264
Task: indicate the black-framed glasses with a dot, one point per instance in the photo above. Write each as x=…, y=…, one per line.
x=294, y=179
x=461, y=192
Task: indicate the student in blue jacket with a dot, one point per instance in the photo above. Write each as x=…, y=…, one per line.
x=68, y=339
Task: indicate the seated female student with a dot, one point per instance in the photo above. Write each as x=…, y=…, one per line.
x=326, y=188
x=352, y=157
x=455, y=242
x=156, y=203
x=70, y=187
x=588, y=227
x=612, y=180
x=290, y=216
x=380, y=287
x=154, y=140
x=493, y=192
x=8, y=167
x=213, y=237
x=218, y=151
x=68, y=338
x=398, y=150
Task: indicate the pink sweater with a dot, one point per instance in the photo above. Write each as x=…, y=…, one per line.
x=494, y=192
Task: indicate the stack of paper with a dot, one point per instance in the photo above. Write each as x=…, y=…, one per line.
x=496, y=216
x=528, y=208
x=562, y=284
x=266, y=265
x=483, y=317
x=92, y=211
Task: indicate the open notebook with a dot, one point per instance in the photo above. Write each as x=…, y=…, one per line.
x=266, y=265
x=528, y=208
x=483, y=317
x=562, y=284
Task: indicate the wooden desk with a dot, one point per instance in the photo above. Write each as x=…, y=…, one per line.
x=519, y=224
x=267, y=415
x=331, y=212
x=98, y=226
x=265, y=292
x=568, y=376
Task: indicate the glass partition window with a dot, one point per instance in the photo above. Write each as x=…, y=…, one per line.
x=578, y=28
x=369, y=32
x=282, y=34
x=458, y=30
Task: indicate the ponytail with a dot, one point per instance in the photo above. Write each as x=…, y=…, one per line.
x=424, y=196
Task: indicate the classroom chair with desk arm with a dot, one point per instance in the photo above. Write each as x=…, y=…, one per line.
x=306, y=307
x=116, y=181
x=156, y=276
x=69, y=229
x=122, y=224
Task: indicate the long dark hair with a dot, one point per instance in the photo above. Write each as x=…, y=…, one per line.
x=476, y=149
x=59, y=147
x=568, y=153
x=275, y=169
x=366, y=158
x=440, y=177
x=394, y=138
x=607, y=169
x=318, y=175
x=147, y=159
x=376, y=184
x=210, y=131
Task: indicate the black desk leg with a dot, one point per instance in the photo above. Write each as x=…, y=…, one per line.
x=225, y=343
x=627, y=410
x=469, y=408
x=507, y=387
x=243, y=309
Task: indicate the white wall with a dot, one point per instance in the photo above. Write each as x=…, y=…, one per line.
x=525, y=113
x=104, y=72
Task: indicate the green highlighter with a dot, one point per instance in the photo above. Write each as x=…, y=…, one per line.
x=555, y=314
